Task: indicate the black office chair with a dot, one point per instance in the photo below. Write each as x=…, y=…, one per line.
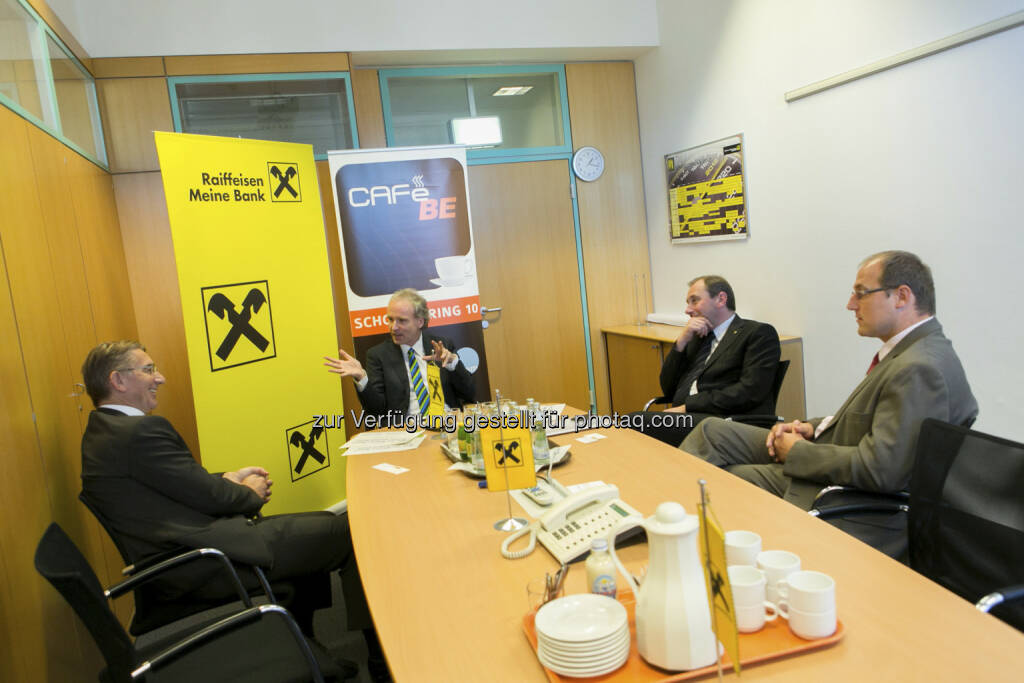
x=877, y=518
x=758, y=420
x=965, y=516
x=259, y=643
x=152, y=611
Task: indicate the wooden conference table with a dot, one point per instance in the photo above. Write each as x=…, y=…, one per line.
x=448, y=607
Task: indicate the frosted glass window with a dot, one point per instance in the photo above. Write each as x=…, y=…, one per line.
x=76, y=102
x=313, y=111
x=22, y=66
x=422, y=108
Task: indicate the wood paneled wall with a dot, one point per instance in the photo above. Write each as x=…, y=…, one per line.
x=63, y=286
x=613, y=219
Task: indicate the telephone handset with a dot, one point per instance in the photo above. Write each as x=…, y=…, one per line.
x=567, y=529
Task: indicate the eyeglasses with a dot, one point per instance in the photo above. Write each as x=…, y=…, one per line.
x=859, y=294
x=149, y=369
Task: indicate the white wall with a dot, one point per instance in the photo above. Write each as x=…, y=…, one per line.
x=115, y=28
x=925, y=157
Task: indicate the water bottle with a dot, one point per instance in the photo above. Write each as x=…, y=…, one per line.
x=601, y=569
x=539, y=435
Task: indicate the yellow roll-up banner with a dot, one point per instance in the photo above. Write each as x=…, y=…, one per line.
x=256, y=298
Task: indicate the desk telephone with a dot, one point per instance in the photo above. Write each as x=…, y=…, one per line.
x=568, y=527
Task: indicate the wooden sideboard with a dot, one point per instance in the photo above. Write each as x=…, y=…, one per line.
x=635, y=354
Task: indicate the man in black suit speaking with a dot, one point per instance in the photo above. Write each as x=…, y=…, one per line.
x=721, y=364
x=395, y=379
x=139, y=474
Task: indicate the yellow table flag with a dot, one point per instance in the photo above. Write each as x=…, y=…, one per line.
x=434, y=390
x=716, y=577
x=508, y=452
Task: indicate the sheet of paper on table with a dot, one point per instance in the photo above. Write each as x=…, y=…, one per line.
x=382, y=442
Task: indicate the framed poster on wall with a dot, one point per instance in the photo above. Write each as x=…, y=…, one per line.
x=706, y=195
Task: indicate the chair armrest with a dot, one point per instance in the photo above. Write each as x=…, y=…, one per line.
x=150, y=561
x=141, y=576
x=657, y=400
x=894, y=496
x=862, y=508
x=767, y=421
x=1000, y=596
x=225, y=626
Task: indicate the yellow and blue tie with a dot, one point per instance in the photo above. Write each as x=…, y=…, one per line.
x=417, y=383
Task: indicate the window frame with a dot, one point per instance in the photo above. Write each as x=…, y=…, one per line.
x=49, y=102
x=487, y=155
x=345, y=76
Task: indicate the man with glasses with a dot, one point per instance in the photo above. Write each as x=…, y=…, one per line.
x=139, y=474
x=869, y=443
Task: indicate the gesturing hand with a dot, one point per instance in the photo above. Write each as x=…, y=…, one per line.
x=441, y=355
x=346, y=366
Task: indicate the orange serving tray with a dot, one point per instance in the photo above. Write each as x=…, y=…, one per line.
x=775, y=640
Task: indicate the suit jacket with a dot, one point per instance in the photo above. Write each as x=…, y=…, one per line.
x=140, y=475
x=872, y=440
x=387, y=389
x=737, y=377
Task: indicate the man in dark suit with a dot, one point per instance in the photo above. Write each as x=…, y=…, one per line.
x=139, y=474
x=721, y=364
x=395, y=380
x=870, y=441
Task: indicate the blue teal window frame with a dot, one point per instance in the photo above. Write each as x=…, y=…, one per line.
x=490, y=155
x=56, y=130
x=298, y=76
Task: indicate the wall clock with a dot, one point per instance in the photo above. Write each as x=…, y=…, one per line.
x=588, y=163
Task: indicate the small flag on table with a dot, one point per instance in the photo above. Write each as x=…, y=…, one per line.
x=508, y=458
x=716, y=576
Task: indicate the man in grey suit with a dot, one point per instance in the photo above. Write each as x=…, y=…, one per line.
x=139, y=474
x=870, y=442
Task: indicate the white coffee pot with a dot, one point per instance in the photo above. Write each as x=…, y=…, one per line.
x=673, y=622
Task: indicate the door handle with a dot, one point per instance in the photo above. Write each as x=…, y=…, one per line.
x=484, y=311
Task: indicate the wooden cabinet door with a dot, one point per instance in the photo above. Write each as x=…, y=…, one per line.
x=525, y=242
x=633, y=367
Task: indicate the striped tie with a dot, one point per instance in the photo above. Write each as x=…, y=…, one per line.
x=417, y=383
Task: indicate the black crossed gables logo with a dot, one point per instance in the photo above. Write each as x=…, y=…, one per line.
x=283, y=179
x=435, y=388
x=221, y=305
x=716, y=589
x=506, y=452
x=308, y=447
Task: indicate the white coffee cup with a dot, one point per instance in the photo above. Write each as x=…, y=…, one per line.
x=777, y=565
x=453, y=268
x=808, y=591
x=741, y=547
x=809, y=625
x=748, y=597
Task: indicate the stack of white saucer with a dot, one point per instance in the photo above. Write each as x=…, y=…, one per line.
x=582, y=635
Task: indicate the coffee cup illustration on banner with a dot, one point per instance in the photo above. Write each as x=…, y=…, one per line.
x=452, y=271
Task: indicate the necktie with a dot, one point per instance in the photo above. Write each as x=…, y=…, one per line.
x=874, y=362
x=417, y=382
x=683, y=388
